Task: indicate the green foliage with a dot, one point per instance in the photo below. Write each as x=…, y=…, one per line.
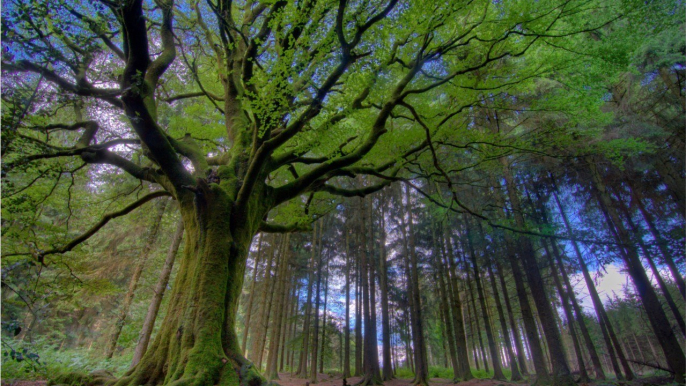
x=44, y=360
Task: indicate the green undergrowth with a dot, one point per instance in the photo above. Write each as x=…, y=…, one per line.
x=446, y=373
x=39, y=360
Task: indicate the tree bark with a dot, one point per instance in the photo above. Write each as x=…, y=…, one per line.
x=656, y=315
x=605, y=329
x=326, y=299
x=281, y=299
x=661, y=243
x=371, y=374
x=251, y=297
x=420, y=354
x=304, y=357
x=516, y=375
x=583, y=377
x=521, y=357
x=346, y=350
x=440, y=268
x=387, y=373
x=561, y=374
x=656, y=272
x=315, y=332
x=495, y=355
x=461, y=347
x=197, y=342
x=158, y=294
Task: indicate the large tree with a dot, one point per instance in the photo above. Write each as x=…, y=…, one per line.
x=310, y=94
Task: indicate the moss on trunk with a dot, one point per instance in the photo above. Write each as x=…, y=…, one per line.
x=197, y=344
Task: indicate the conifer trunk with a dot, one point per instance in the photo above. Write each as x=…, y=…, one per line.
x=495, y=356
x=281, y=297
x=346, y=350
x=135, y=278
x=656, y=272
x=561, y=374
x=514, y=369
x=597, y=304
x=251, y=297
x=387, y=374
x=326, y=299
x=661, y=244
x=302, y=368
x=443, y=296
x=583, y=378
x=521, y=358
x=461, y=347
x=158, y=294
x=420, y=354
x=315, y=331
x=656, y=315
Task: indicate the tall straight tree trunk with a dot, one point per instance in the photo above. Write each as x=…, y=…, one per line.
x=656, y=273
x=561, y=374
x=605, y=327
x=260, y=327
x=281, y=293
x=461, y=347
x=249, y=307
x=302, y=367
x=476, y=330
x=371, y=374
x=292, y=322
x=597, y=367
x=656, y=315
x=661, y=243
x=326, y=299
x=541, y=218
x=387, y=373
x=158, y=294
x=583, y=377
x=346, y=350
x=521, y=357
x=439, y=266
x=315, y=332
x=516, y=375
x=495, y=355
x=358, y=313
x=420, y=353
x=135, y=278
x=373, y=264
x=267, y=315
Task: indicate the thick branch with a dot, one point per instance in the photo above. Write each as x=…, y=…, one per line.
x=287, y=228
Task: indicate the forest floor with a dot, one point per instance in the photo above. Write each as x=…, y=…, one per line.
x=325, y=380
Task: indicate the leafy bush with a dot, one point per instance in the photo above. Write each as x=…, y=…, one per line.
x=404, y=373
x=38, y=360
x=441, y=372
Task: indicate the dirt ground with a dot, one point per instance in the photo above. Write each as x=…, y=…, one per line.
x=325, y=380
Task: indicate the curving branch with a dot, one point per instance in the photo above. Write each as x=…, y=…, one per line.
x=95, y=228
x=81, y=88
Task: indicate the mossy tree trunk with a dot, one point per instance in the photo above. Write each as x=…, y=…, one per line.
x=197, y=343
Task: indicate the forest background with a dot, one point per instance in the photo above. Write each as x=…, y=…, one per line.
x=432, y=163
